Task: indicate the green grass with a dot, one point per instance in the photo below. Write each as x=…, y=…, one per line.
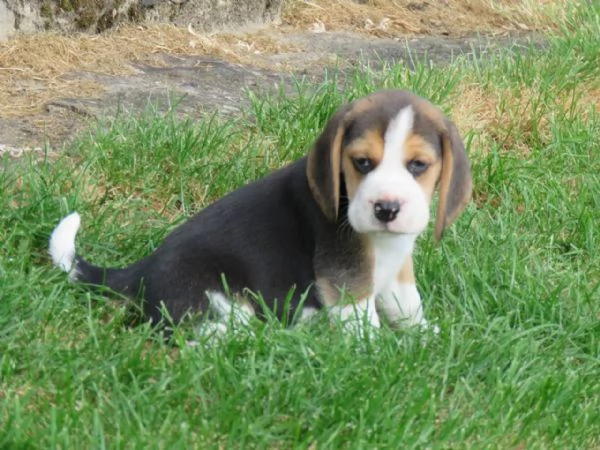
x=514, y=286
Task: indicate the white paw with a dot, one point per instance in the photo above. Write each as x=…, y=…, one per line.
x=359, y=319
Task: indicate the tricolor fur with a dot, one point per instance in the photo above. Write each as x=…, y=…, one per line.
x=339, y=225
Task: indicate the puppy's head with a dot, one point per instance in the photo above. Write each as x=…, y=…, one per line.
x=387, y=152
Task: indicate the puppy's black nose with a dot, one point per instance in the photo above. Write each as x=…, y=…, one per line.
x=386, y=211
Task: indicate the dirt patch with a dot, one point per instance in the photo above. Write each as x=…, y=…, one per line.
x=38, y=69
x=51, y=84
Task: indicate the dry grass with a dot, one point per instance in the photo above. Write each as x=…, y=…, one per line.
x=391, y=18
x=486, y=113
x=513, y=120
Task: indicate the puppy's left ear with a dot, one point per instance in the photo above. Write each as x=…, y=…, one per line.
x=455, y=181
x=324, y=166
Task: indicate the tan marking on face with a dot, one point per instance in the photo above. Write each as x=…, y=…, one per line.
x=455, y=169
x=370, y=146
x=416, y=148
x=406, y=274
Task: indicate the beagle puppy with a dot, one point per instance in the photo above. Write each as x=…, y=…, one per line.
x=335, y=229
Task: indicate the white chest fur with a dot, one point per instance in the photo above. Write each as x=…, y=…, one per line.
x=390, y=253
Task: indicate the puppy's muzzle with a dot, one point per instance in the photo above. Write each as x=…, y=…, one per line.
x=386, y=211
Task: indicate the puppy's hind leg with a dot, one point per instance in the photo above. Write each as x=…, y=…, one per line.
x=229, y=316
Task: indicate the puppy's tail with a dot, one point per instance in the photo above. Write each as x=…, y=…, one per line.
x=62, y=244
x=63, y=253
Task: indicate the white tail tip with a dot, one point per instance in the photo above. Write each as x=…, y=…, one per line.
x=62, y=242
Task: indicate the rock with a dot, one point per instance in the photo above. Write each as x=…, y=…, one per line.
x=7, y=22
x=19, y=16
x=213, y=15
x=94, y=16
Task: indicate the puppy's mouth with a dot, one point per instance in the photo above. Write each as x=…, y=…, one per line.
x=377, y=227
x=391, y=228
x=386, y=228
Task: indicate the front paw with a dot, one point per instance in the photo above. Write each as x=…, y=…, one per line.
x=357, y=319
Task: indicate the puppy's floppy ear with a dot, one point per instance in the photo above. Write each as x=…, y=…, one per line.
x=455, y=180
x=324, y=165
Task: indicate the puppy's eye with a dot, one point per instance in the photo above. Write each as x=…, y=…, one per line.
x=417, y=167
x=363, y=165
